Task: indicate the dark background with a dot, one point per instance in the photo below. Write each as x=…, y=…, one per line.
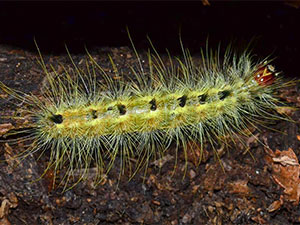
x=273, y=27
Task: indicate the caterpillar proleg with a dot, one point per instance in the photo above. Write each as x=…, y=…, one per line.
x=85, y=123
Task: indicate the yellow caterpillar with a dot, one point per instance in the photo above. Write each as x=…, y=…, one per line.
x=84, y=123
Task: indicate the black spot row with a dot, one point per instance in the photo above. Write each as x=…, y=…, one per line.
x=153, y=105
x=182, y=101
x=203, y=98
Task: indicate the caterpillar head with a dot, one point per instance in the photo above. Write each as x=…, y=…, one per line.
x=265, y=75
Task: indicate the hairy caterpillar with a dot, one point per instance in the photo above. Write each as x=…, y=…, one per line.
x=84, y=123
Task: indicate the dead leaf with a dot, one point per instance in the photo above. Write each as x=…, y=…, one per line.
x=7, y=204
x=5, y=127
x=276, y=205
x=285, y=161
x=285, y=172
x=4, y=208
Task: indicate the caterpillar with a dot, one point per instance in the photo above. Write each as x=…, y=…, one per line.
x=85, y=123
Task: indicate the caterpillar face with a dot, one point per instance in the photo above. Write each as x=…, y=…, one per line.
x=265, y=75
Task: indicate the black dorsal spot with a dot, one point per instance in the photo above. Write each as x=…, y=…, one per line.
x=122, y=109
x=224, y=94
x=182, y=100
x=202, y=98
x=94, y=114
x=109, y=108
x=153, y=106
x=56, y=118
